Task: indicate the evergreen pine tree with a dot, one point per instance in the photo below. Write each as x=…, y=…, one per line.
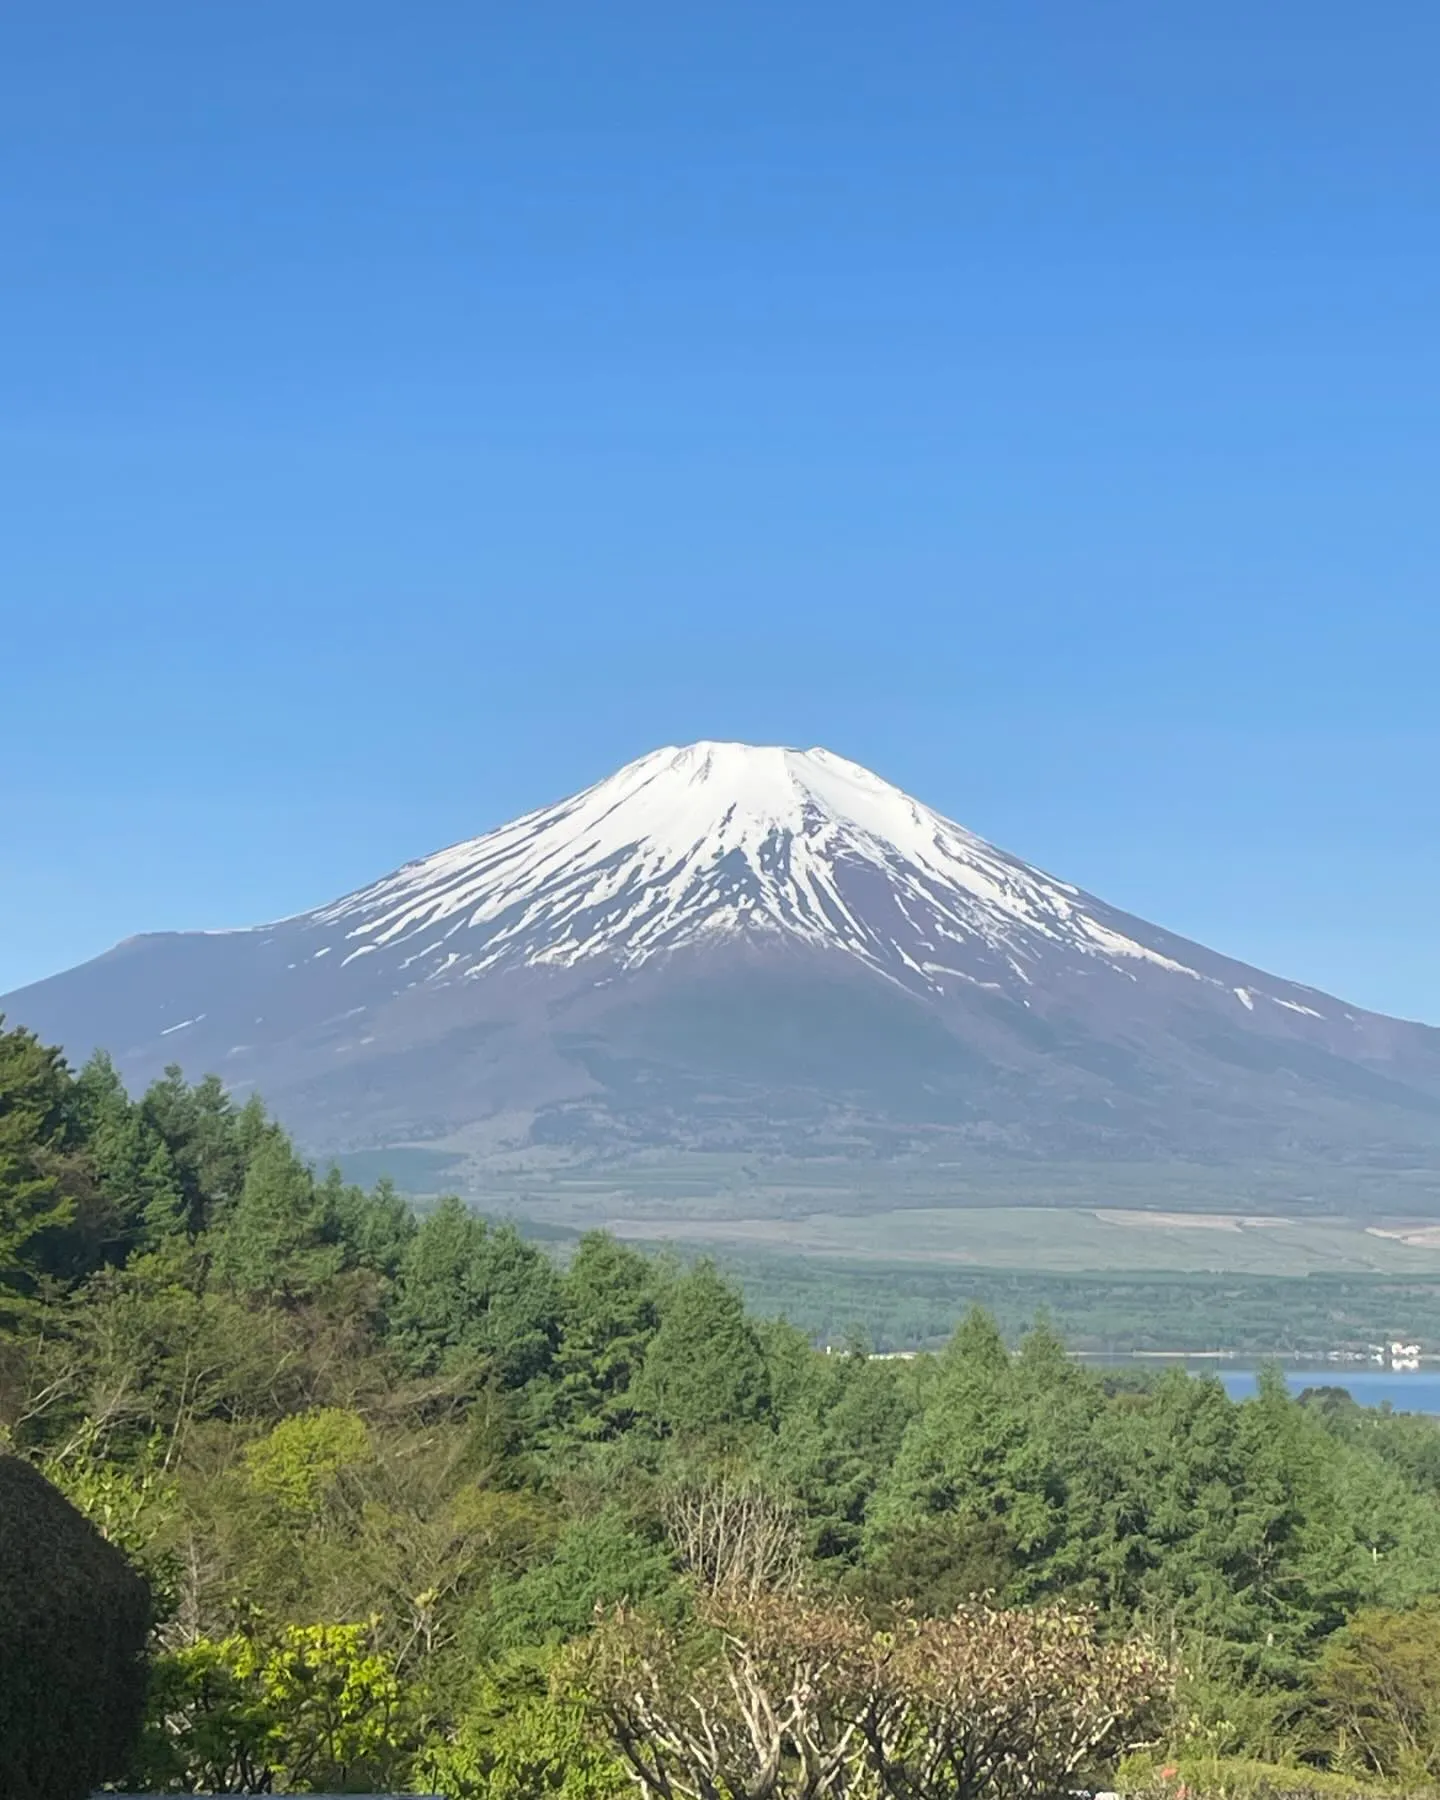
x=208, y=1142
x=136, y=1172
x=471, y=1291
x=375, y=1227
x=34, y=1129
x=705, y=1369
x=610, y=1310
x=278, y=1240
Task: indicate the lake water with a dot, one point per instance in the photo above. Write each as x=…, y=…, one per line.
x=1407, y=1390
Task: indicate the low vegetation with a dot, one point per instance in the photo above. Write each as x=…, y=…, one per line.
x=420, y=1506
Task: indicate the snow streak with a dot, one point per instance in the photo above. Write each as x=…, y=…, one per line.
x=690, y=845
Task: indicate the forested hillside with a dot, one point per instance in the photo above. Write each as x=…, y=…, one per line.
x=420, y=1506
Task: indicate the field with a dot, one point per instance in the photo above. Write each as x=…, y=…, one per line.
x=702, y=1185
x=1131, y=1257
x=1060, y=1240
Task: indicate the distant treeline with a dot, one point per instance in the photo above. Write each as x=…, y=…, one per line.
x=902, y=1306
x=420, y=1503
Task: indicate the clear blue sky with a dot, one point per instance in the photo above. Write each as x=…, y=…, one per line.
x=409, y=413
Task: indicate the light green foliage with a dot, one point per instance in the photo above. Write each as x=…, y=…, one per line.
x=316, y=1707
x=336, y=1706
x=1379, y=1689
x=128, y=1503
x=517, y=1739
x=207, y=1728
x=296, y=1464
x=1195, y=1776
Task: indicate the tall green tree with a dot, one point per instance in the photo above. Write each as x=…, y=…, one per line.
x=517, y=1739
x=375, y=1226
x=704, y=1370
x=610, y=1311
x=472, y=1291
x=840, y=1420
x=136, y=1171
x=209, y=1142
x=278, y=1240
x=35, y=1133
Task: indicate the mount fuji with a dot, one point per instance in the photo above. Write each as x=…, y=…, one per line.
x=760, y=952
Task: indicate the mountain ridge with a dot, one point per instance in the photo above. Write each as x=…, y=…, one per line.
x=761, y=950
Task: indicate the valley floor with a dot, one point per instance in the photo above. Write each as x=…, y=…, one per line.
x=1105, y=1240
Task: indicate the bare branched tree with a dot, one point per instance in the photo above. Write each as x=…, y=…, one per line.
x=994, y=1704
x=784, y=1699
x=758, y=1708
x=736, y=1538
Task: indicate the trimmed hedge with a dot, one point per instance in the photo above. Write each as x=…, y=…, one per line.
x=73, y=1622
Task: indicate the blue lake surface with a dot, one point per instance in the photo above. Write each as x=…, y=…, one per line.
x=1407, y=1390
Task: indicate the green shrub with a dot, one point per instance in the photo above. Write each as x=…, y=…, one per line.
x=1239, y=1778
x=73, y=1622
x=1379, y=1688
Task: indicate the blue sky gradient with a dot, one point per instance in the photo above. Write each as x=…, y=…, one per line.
x=409, y=414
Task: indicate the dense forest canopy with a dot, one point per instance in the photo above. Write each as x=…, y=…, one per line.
x=409, y=1493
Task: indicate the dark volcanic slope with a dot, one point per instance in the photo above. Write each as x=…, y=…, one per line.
x=761, y=950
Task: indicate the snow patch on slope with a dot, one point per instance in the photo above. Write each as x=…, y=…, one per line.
x=719, y=839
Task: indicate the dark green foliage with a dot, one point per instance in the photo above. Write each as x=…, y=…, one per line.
x=610, y=1311
x=904, y=1305
x=208, y=1141
x=839, y=1423
x=35, y=1133
x=303, y=1414
x=704, y=1370
x=375, y=1226
x=596, y=1562
x=73, y=1622
x=473, y=1291
x=993, y=1452
x=1406, y=1442
x=279, y=1238
x=132, y=1160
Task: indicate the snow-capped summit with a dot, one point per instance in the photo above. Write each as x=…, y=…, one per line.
x=748, y=949
x=716, y=840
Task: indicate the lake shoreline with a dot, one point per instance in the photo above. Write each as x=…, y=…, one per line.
x=1413, y=1390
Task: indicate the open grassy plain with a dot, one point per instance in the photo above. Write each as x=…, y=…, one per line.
x=1102, y=1240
